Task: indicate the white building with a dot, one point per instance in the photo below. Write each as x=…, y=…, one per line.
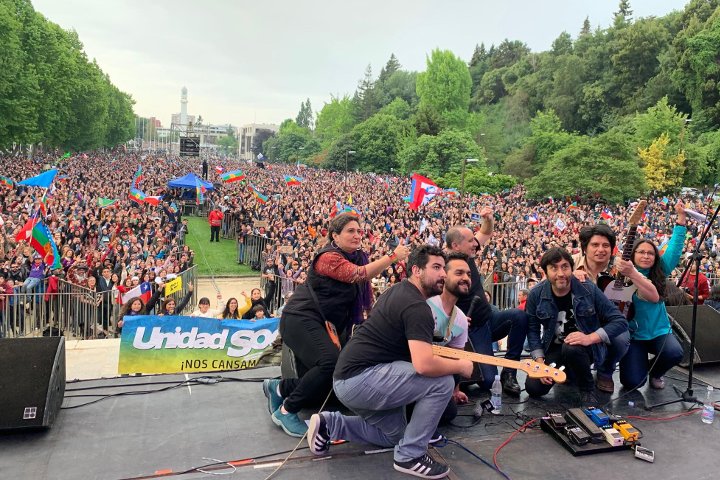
x=247, y=135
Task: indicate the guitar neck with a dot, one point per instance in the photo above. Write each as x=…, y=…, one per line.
x=476, y=357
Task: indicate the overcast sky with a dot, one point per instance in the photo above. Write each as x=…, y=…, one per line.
x=257, y=61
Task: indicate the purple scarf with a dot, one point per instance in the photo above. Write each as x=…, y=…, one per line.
x=363, y=302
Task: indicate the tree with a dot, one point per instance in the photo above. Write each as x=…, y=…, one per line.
x=624, y=14
x=659, y=119
x=440, y=154
x=335, y=119
x=365, y=100
x=603, y=166
x=585, y=30
x=305, y=115
x=663, y=170
x=445, y=84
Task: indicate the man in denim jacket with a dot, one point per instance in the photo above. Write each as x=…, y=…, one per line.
x=581, y=326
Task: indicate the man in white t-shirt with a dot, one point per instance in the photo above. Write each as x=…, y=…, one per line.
x=451, y=324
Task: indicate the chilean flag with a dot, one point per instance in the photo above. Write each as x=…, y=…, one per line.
x=533, y=219
x=606, y=215
x=422, y=190
x=144, y=291
x=219, y=169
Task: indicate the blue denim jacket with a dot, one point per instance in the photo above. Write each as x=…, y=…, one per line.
x=593, y=313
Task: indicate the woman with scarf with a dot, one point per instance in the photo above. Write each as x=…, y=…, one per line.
x=319, y=318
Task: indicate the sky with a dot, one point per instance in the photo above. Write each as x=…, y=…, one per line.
x=244, y=62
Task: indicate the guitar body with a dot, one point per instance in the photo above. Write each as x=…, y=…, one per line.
x=619, y=293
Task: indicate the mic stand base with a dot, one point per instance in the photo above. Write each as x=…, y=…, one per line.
x=685, y=397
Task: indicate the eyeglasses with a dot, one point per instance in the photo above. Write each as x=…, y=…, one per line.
x=648, y=253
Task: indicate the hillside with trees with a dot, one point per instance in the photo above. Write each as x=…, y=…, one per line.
x=614, y=112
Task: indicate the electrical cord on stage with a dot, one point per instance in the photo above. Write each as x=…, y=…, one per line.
x=497, y=450
x=220, y=380
x=192, y=381
x=463, y=447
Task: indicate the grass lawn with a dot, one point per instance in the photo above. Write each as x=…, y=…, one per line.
x=220, y=258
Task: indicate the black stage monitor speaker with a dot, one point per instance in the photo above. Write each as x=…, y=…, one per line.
x=32, y=381
x=707, y=338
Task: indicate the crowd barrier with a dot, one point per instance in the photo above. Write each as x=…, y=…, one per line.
x=250, y=249
x=73, y=311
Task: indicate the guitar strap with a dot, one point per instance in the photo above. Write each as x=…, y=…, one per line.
x=451, y=320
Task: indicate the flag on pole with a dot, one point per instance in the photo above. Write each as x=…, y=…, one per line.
x=422, y=190
x=573, y=206
x=606, y=214
x=533, y=219
x=560, y=225
x=173, y=207
x=219, y=169
x=136, y=195
x=43, y=180
x=43, y=204
x=665, y=201
x=153, y=200
x=7, y=181
x=106, y=202
x=40, y=239
x=291, y=180
x=137, y=178
x=258, y=195
x=199, y=192
x=234, y=176
x=144, y=291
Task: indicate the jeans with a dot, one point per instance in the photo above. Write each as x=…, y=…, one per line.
x=576, y=358
x=313, y=349
x=512, y=323
x=635, y=365
x=29, y=284
x=616, y=350
x=378, y=396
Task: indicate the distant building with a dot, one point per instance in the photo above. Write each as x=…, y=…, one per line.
x=248, y=134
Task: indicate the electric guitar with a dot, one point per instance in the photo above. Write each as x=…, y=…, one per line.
x=616, y=287
x=531, y=367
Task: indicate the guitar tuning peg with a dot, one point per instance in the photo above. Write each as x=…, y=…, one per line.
x=552, y=365
x=562, y=369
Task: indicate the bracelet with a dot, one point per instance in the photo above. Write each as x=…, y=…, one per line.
x=393, y=257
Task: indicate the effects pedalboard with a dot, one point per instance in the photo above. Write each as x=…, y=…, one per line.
x=586, y=431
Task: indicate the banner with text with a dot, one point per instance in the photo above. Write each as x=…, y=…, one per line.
x=174, y=344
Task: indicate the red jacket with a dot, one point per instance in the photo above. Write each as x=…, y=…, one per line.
x=215, y=218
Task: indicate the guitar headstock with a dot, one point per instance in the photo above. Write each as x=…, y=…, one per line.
x=638, y=212
x=540, y=370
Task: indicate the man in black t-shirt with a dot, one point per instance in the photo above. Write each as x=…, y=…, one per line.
x=388, y=364
x=488, y=326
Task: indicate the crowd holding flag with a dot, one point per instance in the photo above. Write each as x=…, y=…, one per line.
x=219, y=169
x=573, y=206
x=43, y=180
x=233, y=176
x=144, y=291
x=137, y=178
x=339, y=208
x=153, y=200
x=606, y=214
x=560, y=225
x=533, y=219
x=40, y=239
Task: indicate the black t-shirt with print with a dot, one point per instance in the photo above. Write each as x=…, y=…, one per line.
x=566, y=318
x=400, y=314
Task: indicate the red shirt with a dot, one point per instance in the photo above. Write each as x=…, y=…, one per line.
x=703, y=286
x=215, y=218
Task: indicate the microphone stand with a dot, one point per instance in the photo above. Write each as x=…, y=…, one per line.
x=687, y=396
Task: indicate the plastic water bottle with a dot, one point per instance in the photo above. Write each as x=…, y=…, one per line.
x=708, y=411
x=496, y=395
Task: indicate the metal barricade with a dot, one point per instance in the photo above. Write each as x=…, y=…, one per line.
x=273, y=294
x=251, y=249
x=230, y=226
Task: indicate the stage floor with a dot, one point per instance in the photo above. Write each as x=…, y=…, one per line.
x=135, y=436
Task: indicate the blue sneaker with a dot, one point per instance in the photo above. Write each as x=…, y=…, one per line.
x=290, y=423
x=270, y=389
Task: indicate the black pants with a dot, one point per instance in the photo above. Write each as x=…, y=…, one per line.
x=311, y=344
x=576, y=358
x=215, y=233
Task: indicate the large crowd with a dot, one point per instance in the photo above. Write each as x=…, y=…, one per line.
x=141, y=242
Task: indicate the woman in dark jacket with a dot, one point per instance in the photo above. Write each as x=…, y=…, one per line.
x=136, y=306
x=170, y=307
x=320, y=315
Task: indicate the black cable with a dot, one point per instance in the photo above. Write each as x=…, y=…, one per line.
x=454, y=442
x=221, y=379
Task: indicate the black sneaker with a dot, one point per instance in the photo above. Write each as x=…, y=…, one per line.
x=509, y=382
x=436, y=438
x=423, y=467
x=318, y=436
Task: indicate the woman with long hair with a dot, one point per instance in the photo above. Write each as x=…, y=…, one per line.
x=255, y=299
x=171, y=307
x=319, y=316
x=233, y=311
x=650, y=327
x=136, y=306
